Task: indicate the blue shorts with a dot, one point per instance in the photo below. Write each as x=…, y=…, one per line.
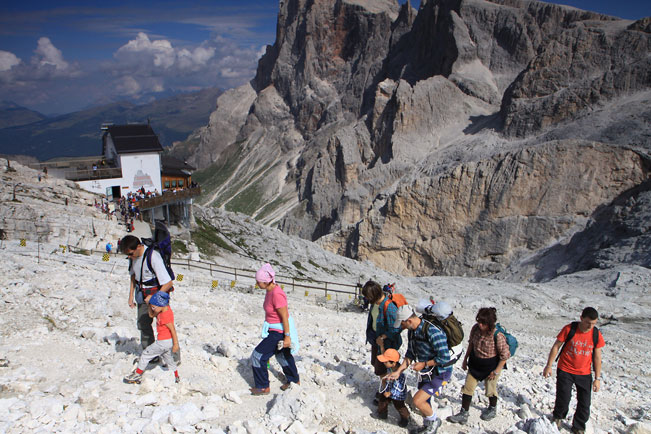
x=433, y=386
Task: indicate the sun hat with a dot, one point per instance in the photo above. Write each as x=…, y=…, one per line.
x=160, y=299
x=404, y=312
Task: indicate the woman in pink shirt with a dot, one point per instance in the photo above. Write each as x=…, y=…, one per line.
x=277, y=332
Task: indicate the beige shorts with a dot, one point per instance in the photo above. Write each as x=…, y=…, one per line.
x=471, y=385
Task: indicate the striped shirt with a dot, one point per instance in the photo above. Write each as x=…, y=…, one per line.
x=435, y=348
x=484, y=345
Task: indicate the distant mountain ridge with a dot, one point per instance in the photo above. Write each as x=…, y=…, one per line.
x=13, y=115
x=79, y=133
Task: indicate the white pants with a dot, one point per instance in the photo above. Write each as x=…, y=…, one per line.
x=162, y=349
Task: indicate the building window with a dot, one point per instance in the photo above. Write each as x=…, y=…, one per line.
x=167, y=184
x=174, y=184
x=180, y=183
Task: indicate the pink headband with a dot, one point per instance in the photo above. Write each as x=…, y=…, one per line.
x=265, y=274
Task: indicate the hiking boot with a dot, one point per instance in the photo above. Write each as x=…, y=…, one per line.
x=489, y=413
x=260, y=391
x=461, y=417
x=557, y=422
x=287, y=386
x=133, y=378
x=380, y=416
x=429, y=427
x=403, y=422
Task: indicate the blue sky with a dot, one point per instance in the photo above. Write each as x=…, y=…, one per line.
x=60, y=56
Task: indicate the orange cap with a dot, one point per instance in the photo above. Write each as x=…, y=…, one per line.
x=389, y=355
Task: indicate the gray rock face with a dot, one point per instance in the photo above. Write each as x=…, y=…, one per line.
x=368, y=125
x=477, y=218
x=618, y=232
x=584, y=65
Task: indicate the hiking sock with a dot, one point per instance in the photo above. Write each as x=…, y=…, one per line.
x=431, y=418
x=492, y=401
x=139, y=371
x=465, y=401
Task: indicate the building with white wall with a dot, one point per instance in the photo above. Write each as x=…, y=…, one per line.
x=136, y=151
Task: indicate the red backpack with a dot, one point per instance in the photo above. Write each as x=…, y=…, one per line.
x=395, y=298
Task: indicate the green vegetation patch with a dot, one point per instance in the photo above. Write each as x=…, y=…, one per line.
x=248, y=200
x=207, y=239
x=214, y=176
x=314, y=264
x=179, y=246
x=271, y=207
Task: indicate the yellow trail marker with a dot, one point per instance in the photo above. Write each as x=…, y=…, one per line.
x=105, y=257
x=307, y=293
x=23, y=242
x=62, y=247
x=328, y=297
x=215, y=284
x=233, y=283
x=179, y=277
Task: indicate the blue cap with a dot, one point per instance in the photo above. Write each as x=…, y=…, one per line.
x=160, y=299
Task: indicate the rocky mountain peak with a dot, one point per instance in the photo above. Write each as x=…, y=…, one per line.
x=359, y=105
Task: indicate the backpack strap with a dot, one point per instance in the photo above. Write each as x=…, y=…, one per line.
x=595, y=341
x=569, y=337
x=148, y=253
x=385, y=307
x=425, y=338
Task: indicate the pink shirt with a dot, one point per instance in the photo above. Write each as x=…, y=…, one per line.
x=274, y=299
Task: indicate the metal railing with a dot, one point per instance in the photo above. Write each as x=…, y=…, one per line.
x=90, y=174
x=290, y=283
x=168, y=197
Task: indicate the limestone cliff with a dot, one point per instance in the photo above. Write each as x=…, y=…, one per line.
x=451, y=139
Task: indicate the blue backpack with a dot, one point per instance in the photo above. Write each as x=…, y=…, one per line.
x=511, y=341
x=162, y=242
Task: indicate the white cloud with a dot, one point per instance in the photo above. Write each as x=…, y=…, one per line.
x=8, y=60
x=127, y=86
x=157, y=65
x=143, y=52
x=142, y=49
x=49, y=55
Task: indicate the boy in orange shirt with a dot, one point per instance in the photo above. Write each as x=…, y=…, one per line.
x=167, y=342
x=581, y=348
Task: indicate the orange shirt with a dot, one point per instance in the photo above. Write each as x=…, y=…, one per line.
x=577, y=355
x=163, y=318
